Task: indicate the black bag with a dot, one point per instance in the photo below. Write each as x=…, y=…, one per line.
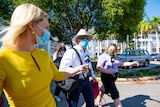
x=57, y=61
x=70, y=83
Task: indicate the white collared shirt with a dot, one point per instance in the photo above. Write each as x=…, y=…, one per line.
x=70, y=60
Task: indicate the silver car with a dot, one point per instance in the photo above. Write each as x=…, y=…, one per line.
x=155, y=56
x=142, y=56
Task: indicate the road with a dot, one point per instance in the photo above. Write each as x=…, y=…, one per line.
x=137, y=94
x=154, y=63
x=132, y=94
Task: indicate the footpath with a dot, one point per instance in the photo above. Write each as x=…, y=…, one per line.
x=155, y=77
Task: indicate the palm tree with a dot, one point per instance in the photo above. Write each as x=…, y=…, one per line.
x=155, y=23
x=143, y=31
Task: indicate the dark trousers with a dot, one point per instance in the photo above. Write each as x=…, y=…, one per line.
x=57, y=91
x=108, y=81
x=85, y=88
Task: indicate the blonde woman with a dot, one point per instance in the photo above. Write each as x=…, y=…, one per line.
x=25, y=71
x=108, y=64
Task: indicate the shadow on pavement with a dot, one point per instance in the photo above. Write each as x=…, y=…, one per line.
x=135, y=101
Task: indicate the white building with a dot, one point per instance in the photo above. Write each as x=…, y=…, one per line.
x=150, y=43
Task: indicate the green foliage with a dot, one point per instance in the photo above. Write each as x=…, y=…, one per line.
x=154, y=23
x=123, y=16
x=140, y=73
x=6, y=8
x=94, y=63
x=110, y=18
x=68, y=16
x=71, y=15
x=148, y=26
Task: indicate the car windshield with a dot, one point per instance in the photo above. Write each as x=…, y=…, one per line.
x=153, y=54
x=126, y=53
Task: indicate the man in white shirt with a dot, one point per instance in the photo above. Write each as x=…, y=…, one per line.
x=71, y=59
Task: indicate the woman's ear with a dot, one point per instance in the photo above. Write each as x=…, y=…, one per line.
x=31, y=25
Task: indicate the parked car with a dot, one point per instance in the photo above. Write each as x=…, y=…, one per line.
x=155, y=56
x=142, y=56
x=118, y=54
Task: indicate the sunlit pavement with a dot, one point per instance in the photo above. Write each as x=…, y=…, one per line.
x=132, y=94
x=135, y=94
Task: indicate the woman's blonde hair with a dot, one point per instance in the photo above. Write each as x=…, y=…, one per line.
x=22, y=15
x=112, y=44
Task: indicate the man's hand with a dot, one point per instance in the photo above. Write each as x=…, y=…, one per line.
x=84, y=67
x=110, y=71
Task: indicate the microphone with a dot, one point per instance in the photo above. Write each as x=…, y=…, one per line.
x=87, y=59
x=112, y=61
x=112, y=57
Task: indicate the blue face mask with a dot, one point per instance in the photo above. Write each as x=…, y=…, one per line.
x=83, y=43
x=44, y=39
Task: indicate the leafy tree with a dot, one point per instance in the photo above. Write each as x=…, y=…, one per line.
x=109, y=18
x=6, y=8
x=123, y=16
x=68, y=16
x=76, y=14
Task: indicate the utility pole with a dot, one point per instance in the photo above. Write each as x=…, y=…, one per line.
x=127, y=41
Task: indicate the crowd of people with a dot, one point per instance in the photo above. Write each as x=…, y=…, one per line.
x=26, y=72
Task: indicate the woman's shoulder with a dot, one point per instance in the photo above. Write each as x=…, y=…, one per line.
x=40, y=51
x=5, y=50
x=2, y=51
x=104, y=55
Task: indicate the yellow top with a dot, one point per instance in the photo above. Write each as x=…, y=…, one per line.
x=25, y=77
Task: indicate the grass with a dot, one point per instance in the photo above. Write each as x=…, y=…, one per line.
x=138, y=73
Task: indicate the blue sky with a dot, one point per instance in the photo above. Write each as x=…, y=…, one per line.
x=152, y=8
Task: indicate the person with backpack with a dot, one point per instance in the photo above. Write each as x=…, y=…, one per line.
x=70, y=60
x=57, y=59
